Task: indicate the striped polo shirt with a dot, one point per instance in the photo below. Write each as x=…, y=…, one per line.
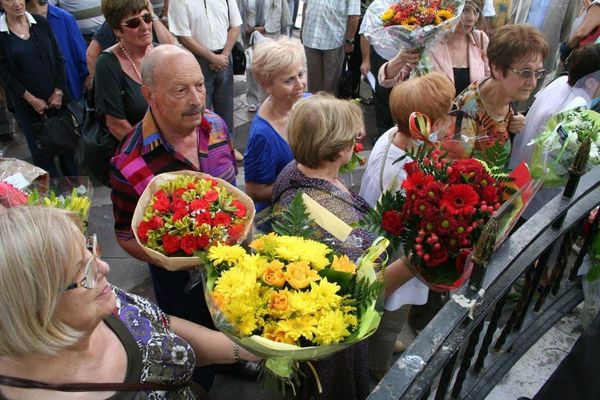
x=145, y=153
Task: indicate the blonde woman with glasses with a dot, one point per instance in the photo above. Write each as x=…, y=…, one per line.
x=65, y=327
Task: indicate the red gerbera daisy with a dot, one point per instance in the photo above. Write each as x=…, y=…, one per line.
x=417, y=181
x=459, y=199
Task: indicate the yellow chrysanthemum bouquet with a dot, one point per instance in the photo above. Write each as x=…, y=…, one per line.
x=293, y=299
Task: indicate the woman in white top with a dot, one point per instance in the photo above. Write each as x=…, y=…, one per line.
x=431, y=95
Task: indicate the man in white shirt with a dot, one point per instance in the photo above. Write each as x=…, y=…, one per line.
x=209, y=29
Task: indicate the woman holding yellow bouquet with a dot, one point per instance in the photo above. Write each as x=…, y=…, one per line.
x=321, y=133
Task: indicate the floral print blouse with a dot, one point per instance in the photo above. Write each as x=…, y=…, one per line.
x=478, y=125
x=165, y=357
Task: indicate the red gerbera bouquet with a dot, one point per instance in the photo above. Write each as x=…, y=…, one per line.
x=181, y=214
x=439, y=214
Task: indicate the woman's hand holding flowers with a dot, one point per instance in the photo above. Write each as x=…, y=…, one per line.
x=516, y=124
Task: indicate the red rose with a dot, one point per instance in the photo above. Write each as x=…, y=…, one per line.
x=211, y=196
x=179, y=214
x=203, y=218
x=156, y=222
x=162, y=204
x=392, y=222
x=202, y=242
x=221, y=218
x=358, y=147
x=188, y=244
x=411, y=167
x=179, y=192
x=178, y=204
x=240, y=211
x=236, y=231
x=199, y=204
x=161, y=195
x=170, y=243
x=143, y=229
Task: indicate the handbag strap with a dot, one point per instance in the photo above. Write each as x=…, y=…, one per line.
x=90, y=386
x=391, y=137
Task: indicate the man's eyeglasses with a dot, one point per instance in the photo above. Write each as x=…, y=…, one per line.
x=527, y=73
x=134, y=22
x=90, y=271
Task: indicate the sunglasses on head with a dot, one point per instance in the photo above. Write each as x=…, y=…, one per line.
x=134, y=22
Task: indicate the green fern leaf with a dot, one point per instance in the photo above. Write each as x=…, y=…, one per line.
x=294, y=221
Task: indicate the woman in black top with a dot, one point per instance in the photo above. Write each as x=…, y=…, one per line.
x=118, y=79
x=32, y=73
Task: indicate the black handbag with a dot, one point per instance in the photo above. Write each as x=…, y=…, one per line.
x=238, y=56
x=57, y=132
x=346, y=83
x=96, y=147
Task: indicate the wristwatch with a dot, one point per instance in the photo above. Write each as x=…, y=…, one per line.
x=155, y=18
x=58, y=92
x=349, y=41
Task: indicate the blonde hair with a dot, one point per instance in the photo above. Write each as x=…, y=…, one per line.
x=321, y=126
x=273, y=57
x=431, y=94
x=38, y=247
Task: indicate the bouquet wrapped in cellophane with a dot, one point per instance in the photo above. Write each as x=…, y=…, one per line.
x=73, y=193
x=410, y=24
x=292, y=299
x=556, y=146
x=440, y=211
x=182, y=214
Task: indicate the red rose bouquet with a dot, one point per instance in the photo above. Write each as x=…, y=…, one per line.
x=182, y=214
x=439, y=214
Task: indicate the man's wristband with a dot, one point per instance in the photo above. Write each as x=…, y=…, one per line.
x=349, y=41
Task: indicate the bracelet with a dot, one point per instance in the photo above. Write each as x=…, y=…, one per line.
x=236, y=353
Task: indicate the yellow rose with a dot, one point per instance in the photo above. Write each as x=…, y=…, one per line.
x=277, y=335
x=279, y=302
x=343, y=264
x=299, y=275
x=273, y=274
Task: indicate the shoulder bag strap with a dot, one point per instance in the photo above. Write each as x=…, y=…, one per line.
x=387, y=150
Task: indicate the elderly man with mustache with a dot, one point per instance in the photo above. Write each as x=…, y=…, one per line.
x=177, y=133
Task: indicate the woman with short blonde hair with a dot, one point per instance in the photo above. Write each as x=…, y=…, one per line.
x=322, y=131
x=322, y=127
x=278, y=66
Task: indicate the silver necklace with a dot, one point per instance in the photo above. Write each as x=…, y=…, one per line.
x=137, y=72
x=275, y=111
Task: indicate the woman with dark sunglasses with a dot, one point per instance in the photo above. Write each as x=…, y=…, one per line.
x=118, y=81
x=62, y=322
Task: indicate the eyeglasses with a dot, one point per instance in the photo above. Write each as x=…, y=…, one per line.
x=90, y=271
x=134, y=22
x=527, y=73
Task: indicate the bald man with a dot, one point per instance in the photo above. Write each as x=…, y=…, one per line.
x=174, y=135
x=177, y=133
